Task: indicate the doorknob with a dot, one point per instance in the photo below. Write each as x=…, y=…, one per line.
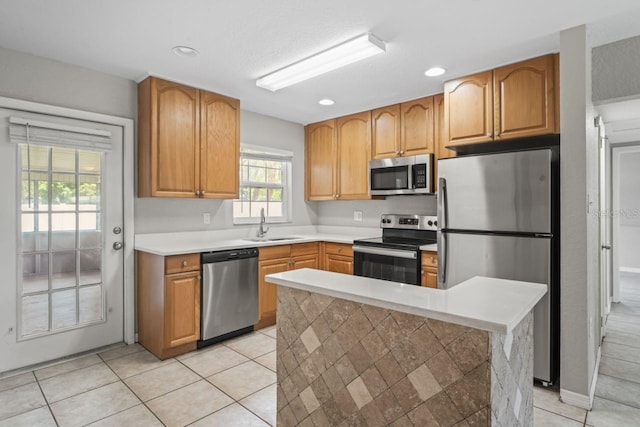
x=607, y=247
x=117, y=230
x=117, y=246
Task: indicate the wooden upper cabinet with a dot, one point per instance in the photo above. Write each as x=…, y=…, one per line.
x=174, y=139
x=417, y=125
x=186, y=138
x=219, y=145
x=440, y=147
x=524, y=98
x=320, y=164
x=468, y=114
x=385, y=132
x=354, y=153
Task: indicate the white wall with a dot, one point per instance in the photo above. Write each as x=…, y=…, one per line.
x=155, y=215
x=37, y=79
x=579, y=223
x=629, y=244
x=615, y=70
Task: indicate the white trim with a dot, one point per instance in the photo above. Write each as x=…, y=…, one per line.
x=575, y=399
x=630, y=269
x=581, y=400
x=128, y=193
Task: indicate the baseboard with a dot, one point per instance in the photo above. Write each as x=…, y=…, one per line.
x=629, y=270
x=581, y=400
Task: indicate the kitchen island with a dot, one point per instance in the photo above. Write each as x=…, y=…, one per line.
x=360, y=351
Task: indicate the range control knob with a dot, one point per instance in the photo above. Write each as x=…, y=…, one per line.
x=435, y=223
x=430, y=223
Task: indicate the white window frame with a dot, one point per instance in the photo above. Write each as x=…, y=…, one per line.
x=268, y=153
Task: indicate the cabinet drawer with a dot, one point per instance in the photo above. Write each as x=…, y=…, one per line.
x=310, y=248
x=274, y=252
x=181, y=263
x=429, y=259
x=339, y=249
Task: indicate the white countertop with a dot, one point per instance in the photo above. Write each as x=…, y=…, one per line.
x=494, y=305
x=166, y=244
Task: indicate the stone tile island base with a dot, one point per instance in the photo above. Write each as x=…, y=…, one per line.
x=342, y=363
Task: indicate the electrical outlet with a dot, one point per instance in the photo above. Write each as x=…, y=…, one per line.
x=206, y=217
x=357, y=215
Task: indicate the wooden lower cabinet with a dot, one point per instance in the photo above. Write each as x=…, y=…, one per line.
x=338, y=258
x=168, y=303
x=276, y=259
x=429, y=269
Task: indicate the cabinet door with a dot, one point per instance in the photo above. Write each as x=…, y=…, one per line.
x=438, y=107
x=354, y=153
x=320, y=161
x=267, y=295
x=338, y=263
x=524, y=98
x=385, y=135
x=468, y=109
x=219, y=145
x=182, y=308
x=175, y=140
x=429, y=278
x=304, y=261
x=417, y=127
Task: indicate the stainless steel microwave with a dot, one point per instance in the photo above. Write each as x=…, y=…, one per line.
x=401, y=175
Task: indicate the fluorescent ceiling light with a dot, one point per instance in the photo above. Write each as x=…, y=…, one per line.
x=185, y=51
x=338, y=56
x=326, y=102
x=435, y=72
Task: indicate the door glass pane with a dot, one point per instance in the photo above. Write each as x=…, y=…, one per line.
x=63, y=159
x=35, y=273
x=63, y=270
x=89, y=192
x=89, y=162
x=90, y=304
x=38, y=159
x=61, y=238
x=63, y=192
x=33, y=240
x=35, y=314
x=90, y=267
x=63, y=231
x=63, y=309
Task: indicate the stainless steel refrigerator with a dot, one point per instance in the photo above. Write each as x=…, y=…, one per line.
x=498, y=216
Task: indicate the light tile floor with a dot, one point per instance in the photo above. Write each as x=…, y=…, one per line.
x=233, y=384
x=229, y=384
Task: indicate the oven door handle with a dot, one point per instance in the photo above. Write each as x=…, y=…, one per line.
x=396, y=253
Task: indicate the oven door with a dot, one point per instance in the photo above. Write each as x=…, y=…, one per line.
x=387, y=264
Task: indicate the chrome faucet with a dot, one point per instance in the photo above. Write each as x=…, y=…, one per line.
x=262, y=231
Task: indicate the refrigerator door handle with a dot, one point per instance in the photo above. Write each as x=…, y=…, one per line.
x=442, y=201
x=442, y=260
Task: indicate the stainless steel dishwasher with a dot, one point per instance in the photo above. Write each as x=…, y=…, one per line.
x=229, y=294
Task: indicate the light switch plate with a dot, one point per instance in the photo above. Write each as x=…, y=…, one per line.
x=206, y=217
x=357, y=215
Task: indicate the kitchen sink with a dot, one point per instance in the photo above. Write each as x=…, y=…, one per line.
x=274, y=239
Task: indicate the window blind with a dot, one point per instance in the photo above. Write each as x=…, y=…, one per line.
x=57, y=135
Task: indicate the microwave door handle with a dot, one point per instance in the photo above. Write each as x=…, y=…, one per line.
x=411, y=177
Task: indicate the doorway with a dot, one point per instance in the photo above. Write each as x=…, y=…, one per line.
x=68, y=287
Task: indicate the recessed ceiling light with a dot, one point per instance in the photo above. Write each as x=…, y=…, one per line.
x=338, y=56
x=435, y=72
x=326, y=102
x=185, y=51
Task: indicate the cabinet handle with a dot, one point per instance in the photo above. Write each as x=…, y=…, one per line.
x=497, y=134
x=202, y=193
x=489, y=135
x=339, y=249
x=198, y=193
x=184, y=263
x=432, y=259
x=422, y=272
x=337, y=196
x=401, y=152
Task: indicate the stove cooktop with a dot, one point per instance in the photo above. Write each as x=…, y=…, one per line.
x=396, y=242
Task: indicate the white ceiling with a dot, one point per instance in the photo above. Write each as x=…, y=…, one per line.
x=242, y=40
